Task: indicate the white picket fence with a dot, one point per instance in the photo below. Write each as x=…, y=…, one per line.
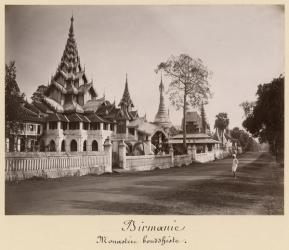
x=19, y=166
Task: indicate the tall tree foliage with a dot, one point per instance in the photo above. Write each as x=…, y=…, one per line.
x=244, y=140
x=189, y=84
x=39, y=93
x=221, y=123
x=13, y=100
x=247, y=107
x=266, y=121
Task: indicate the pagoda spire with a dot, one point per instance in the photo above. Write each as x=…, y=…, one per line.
x=162, y=116
x=71, y=32
x=126, y=100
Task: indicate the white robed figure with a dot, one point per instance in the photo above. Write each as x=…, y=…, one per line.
x=235, y=165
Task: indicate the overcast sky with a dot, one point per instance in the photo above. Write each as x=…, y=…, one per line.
x=242, y=45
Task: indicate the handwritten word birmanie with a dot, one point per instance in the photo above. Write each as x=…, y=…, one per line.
x=134, y=226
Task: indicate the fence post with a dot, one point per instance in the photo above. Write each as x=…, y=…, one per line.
x=194, y=152
x=108, y=150
x=122, y=154
x=172, y=155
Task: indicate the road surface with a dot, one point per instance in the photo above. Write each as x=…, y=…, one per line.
x=198, y=189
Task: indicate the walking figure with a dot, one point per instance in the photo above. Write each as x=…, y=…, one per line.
x=235, y=165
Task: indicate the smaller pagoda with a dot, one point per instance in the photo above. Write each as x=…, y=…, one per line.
x=162, y=117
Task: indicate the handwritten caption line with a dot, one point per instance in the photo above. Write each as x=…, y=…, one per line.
x=138, y=228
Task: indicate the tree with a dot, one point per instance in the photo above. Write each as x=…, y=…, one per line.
x=221, y=123
x=13, y=101
x=247, y=107
x=244, y=139
x=189, y=84
x=39, y=93
x=266, y=121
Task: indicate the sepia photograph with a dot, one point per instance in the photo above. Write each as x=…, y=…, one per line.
x=144, y=109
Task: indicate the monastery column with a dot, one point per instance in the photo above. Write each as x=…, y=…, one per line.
x=18, y=145
x=135, y=134
x=58, y=141
x=149, y=142
x=7, y=144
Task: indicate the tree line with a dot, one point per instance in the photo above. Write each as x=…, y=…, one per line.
x=264, y=118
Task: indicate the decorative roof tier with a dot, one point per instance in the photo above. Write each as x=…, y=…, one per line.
x=69, y=84
x=162, y=116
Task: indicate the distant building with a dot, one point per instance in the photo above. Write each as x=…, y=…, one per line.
x=31, y=129
x=201, y=141
x=198, y=133
x=196, y=123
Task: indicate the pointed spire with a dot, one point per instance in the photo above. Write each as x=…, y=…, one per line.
x=71, y=33
x=126, y=100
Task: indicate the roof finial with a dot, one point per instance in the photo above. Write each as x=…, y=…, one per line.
x=71, y=27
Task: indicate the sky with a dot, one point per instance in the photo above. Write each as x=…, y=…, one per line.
x=242, y=45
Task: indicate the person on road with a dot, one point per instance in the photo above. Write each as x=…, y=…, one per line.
x=235, y=165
